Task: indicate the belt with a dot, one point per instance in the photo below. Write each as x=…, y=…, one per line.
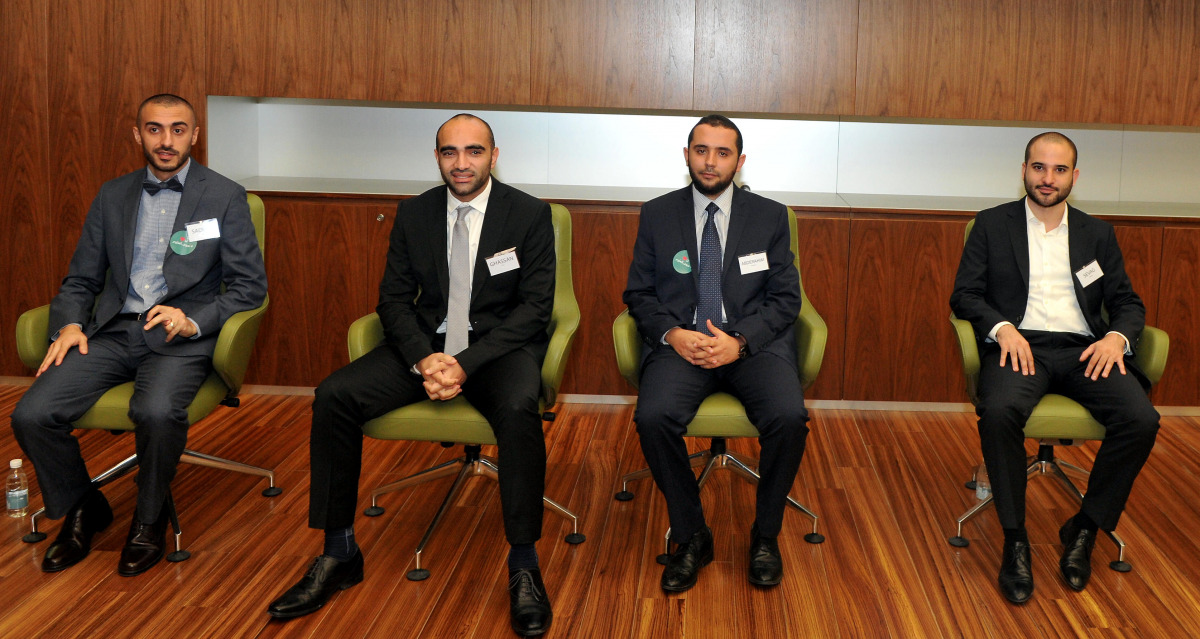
x=131, y=317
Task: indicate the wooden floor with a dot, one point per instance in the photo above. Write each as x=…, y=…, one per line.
x=887, y=486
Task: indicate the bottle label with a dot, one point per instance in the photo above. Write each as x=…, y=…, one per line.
x=18, y=499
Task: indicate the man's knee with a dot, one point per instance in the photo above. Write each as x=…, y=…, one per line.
x=155, y=414
x=337, y=390
x=784, y=413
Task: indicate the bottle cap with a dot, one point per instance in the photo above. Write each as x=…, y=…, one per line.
x=16, y=463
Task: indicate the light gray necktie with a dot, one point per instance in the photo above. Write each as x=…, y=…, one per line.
x=459, y=305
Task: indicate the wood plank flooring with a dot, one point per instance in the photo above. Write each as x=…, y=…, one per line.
x=887, y=486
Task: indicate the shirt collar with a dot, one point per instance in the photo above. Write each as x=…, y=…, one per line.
x=479, y=203
x=724, y=201
x=181, y=175
x=1032, y=220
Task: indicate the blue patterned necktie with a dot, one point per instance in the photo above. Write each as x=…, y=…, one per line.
x=709, y=306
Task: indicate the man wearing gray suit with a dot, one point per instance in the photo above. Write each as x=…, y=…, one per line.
x=166, y=238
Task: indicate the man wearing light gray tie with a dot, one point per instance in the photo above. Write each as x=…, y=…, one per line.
x=465, y=302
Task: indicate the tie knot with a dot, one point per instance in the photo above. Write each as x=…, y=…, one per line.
x=712, y=208
x=461, y=212
x=153, y=186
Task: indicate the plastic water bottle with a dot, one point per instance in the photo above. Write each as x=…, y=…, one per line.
x=17, y=490
x=983, y=486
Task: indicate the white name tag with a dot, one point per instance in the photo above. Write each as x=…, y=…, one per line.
x=1089, y=273
x=753, y=262
x=503, y=262
x=204, y=230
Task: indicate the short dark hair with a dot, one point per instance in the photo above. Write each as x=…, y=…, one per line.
x=437, y=138
x=719, y=121
x=167, y=100
x=1053, y=136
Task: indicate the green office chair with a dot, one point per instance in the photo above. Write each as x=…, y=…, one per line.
x=1055, y=421
x=111, y=411
x=456, y=421
x=721, y=415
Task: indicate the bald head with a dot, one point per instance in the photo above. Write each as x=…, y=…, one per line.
x=461, y=118
x=1056, y=138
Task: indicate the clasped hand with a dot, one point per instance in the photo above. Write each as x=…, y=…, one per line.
x=705, y=351
x=443, y=376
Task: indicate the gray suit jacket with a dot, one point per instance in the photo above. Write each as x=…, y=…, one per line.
x=105, y=253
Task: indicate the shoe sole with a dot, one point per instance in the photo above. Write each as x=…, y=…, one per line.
x=764, y=583
x=535, y=633
x=349, y=583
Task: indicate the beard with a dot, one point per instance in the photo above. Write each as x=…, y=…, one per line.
x=180, y=159
x=719, y=186
x=461, y=190
x=1050, y=200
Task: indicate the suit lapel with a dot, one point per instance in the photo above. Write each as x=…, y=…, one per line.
x=737, y=225
x=130, y=204
x=193, y=190
x=1077, y=243
x=494, y=221
x=437, y=219
x=1018, y=233
x=686, y=214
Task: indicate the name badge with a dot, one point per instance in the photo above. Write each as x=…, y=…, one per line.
x=753, y=262
x=1089, y=273
x=503, y=262
x=205, y=230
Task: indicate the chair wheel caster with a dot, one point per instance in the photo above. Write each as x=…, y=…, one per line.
x=178, y=556
x=33, y=537
x=272, y=491
x=1120, y=566
x=970, y=485
x=575, y=538
x=959, y=541
x=814, y=538
x=417, y=574
x=375, y=511
x=662, y=559
x=624, y=495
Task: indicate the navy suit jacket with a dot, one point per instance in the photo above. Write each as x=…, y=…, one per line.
x=762, y=306
x=105, y=251
x=992, y=284
x=508, y=311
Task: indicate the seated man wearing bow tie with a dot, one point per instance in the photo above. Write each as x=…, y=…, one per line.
x=166, y=237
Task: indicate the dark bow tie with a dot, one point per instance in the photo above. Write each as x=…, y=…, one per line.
x=153, y=186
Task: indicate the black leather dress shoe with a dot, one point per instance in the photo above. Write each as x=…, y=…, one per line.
x=766, y=564
x=685, y=563
x=145, y=546
x=88, y=516
x=528, y=603
x=1076, y=561
x=1016, y=572
x=325, y=576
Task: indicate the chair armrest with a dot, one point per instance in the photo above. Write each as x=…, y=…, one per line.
x=628, y=345
x=235, y=342
x=33, y=336
x=1151, y=352
x=364, y=335
x=811, y=336
x=562, y=336
x=970, y=354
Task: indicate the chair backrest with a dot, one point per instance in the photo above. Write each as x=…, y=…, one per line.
x=564, y=318
x=811, y=333
x=231, y=356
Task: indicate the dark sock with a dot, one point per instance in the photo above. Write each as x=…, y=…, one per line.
x=339, y=543
x=1016, y=534
x=1083, y=522
x=522, y=557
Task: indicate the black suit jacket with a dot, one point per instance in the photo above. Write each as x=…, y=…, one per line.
x=193, y=281
x=762, y=306
x=992, y=284
x=508, y=311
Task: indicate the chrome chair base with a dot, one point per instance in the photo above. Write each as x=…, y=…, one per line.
x=471, y=464
x=1044, y=463
x=718, y=456
x=126, y=465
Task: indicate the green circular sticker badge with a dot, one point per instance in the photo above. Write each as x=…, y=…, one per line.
x=181, y=245
x=681, y=262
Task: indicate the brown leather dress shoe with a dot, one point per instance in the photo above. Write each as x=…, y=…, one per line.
x=145, y=546
x=88, y=516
